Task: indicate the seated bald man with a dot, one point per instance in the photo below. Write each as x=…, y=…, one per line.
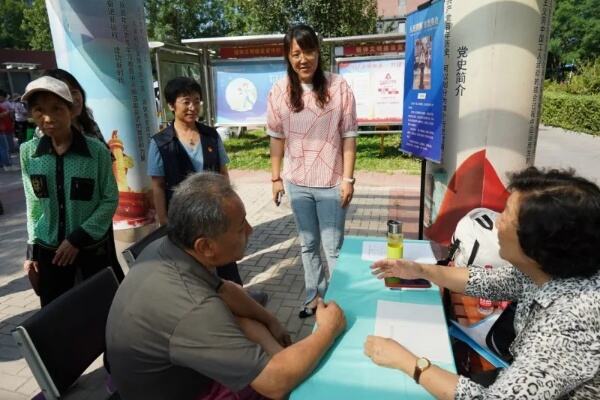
x=177, y=331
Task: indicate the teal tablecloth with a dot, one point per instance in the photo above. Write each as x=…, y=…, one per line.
x=345, y=372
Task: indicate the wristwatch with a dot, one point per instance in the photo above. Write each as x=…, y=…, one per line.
x=422, y=365
x=349, y=180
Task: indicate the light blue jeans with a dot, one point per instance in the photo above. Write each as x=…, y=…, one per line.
x=320, y=219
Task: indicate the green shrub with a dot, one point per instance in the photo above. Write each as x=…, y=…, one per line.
x=586, y=81
x=579, y=113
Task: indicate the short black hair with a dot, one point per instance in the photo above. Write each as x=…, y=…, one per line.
x=3, y=93
x=32, y=100
x=559, y=221
x=181, y=86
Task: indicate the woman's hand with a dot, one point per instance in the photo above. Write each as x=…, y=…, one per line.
x=346, y=193
x=277, y=188
x=30, y=264
x=387, y=352
x=402, y=268
x=65, y=254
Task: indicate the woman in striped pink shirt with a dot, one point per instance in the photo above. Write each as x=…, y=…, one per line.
x=311, y=118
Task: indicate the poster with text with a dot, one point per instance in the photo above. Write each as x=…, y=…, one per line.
x=241, y=90
x=378, y=87
x=104, y=45
x=422, y=131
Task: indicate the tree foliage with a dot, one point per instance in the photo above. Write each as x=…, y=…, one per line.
x=35, y=23
x=11, y=32
x=252, y=17
x=575, y=35
x=328, y=17
x=340, y=17
x=171, y=21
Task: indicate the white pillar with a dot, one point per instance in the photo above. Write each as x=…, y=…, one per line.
x=496, y=58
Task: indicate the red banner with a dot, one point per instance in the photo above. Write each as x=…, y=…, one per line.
x=370, y=49
x=251, y=51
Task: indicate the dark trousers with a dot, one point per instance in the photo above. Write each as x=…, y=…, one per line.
x=55, y=280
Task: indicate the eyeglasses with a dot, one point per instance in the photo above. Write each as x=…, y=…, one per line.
x=308, y=55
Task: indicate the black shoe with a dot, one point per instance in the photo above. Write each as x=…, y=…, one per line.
x=259, y=296
x=307, y=312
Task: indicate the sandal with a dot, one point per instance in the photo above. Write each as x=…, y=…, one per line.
x=307, y=312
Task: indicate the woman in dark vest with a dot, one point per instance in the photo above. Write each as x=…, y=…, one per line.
x=185, y=146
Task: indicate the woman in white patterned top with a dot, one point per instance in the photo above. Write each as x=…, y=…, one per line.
x=549, y=232
x=311, y=118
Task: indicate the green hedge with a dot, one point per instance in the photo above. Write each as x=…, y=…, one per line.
x=579, y=113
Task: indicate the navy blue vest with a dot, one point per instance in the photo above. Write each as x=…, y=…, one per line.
x=176, y=161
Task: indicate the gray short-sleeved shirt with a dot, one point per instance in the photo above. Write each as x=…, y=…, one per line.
x=169, y=334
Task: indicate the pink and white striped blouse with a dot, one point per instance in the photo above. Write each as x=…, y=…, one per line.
x=313, y=136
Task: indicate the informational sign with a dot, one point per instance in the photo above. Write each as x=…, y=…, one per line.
x=495, y=54
x=265, y=50
x=241, y=89
x=369, y=49
x=422, y=133
x=104, y=45
x=377, y=85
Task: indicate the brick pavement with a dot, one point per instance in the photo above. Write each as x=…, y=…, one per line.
x=272, y=262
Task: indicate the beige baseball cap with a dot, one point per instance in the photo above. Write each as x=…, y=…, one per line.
x=48, y=84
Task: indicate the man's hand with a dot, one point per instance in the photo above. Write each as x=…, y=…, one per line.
x=346, y=193
x=65, y=254
x=277, y=188
x=30, y=264
x=279, y=332
x=386, y=352
x=404, y=269
x=330, y=316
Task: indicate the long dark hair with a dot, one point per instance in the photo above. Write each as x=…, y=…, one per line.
x=84, y=119
x=307, y=39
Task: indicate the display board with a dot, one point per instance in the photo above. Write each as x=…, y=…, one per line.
x=241, y=87
x=378, y=86
x=422, y=133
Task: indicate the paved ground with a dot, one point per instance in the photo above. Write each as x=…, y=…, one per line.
x=560, y=148
x=272, y=261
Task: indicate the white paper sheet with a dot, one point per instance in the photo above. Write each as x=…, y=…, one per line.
x=418, y=327
x=373, y=251
x=420, y=252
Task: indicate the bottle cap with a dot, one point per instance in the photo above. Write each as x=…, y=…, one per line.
x=394, y=226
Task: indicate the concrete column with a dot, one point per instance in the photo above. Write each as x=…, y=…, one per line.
x=495, y=53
